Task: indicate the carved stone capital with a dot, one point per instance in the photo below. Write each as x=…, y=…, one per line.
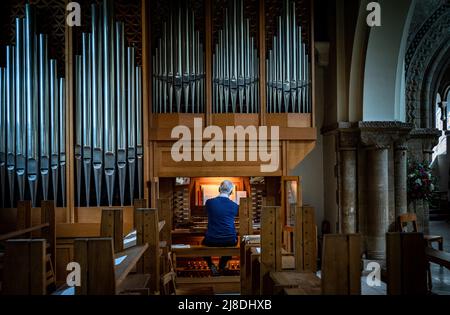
x=384, y=134
x=429, y=137
x=348, y=139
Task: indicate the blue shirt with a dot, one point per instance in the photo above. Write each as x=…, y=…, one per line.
x=221, y=213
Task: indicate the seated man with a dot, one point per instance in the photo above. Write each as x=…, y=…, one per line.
x=221, y=231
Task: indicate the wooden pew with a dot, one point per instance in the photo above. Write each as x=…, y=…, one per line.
x=147, y=232
x=165, y=214
x=247, y=243
x=102, y=271
x=111, y=225
x=274, y=258
x=341, y=264
x=45, y=230
x=438, y=257
x=25, y=267
x=406, y=264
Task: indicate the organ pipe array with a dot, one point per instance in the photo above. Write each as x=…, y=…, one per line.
x=178, y=66
x=108, y=114
x=287, y=67
x=32, y=117
x=235, y=65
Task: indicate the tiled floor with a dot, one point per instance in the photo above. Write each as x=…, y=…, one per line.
x=440, y=275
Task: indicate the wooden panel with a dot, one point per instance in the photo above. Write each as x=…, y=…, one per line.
x=170, y=121
x=220, y=285
x=243, y=266
x=244, y=120
x=269, y=243
x=112, y=226
x=244, y=210
x=48, y=216
x=138, y=204
x=37, y=272
x=148, y=232
x=309, y=239
x=81, y=257
x=334, y=265
x=74, y=230
x=201, y=251
x=285, y=133
x=289, y=120
x=165, y=214
x=101, y=280
x=341, y=264
x=354, y=253
x=24, y=268
x=255, y=272
x=94, y=214
x=23, y=215
x=298, y=239
x=405, y=256
x=167, y=167
x=64, y=255
x=95, y=257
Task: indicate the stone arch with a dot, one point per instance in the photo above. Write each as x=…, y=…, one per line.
x=427, y=54
x=383, y=98
x=432, y=81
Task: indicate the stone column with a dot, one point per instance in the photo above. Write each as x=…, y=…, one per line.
x=348, y=181
x=401, y=177
x=401, y=170
x=378, y=201
x=378, y=137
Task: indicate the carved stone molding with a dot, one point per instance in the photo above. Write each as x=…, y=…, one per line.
x=421, y=54
x=383, y=134
x=348, y=139
x=429, y=137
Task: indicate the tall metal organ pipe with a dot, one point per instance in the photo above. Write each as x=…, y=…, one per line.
x=2, y=136
x=235, y=65
x=30, y=128
x=178, y=64
x=44, y=108
x=107, y=106
x=288, y=67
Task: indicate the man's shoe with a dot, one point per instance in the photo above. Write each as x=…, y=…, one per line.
x=214, y=271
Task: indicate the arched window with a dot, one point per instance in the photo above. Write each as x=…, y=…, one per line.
x=441, y=148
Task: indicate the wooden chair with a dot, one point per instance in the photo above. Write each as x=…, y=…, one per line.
x=406, y=218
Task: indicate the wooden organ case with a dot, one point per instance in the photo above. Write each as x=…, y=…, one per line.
x=215, y=82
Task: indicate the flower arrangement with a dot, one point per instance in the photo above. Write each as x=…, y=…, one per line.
x=421, y=182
